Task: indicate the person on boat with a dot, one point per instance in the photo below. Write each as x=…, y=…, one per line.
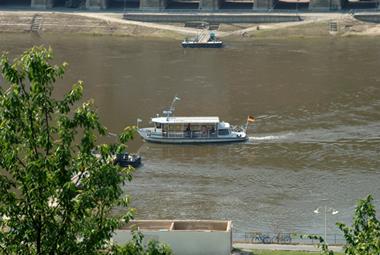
x=188, y=130
x=212, y=37
x=204, y=130
x=212, y=131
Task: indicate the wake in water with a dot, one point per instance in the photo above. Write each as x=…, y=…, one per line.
x=269, y=137
x=339, y=134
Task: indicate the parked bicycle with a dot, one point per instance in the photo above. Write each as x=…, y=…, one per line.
x=265, y=238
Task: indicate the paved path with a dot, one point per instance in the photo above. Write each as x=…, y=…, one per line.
x=119, y=19
x=282, y=247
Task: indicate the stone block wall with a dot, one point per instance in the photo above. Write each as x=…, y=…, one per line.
x=96, y=4
x=154, y=5
x=40, y=4
x=209, y=5
x=325, y=5
x=263, y=4
x=204, y=5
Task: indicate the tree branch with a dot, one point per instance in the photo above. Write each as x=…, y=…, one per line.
x=48, y=132
x=20, y=161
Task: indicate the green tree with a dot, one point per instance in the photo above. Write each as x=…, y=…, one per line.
x=44, y=143
x=363, y=237
x=137, y=247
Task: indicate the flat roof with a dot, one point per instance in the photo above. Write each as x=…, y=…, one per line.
x=180, y=225
x=186, y=120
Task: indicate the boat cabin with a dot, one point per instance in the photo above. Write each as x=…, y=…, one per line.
x=190, y=127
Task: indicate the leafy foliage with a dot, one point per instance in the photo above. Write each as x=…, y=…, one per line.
x=322, y=244
x=44, y=143
x=136, y=247
x=363, y=237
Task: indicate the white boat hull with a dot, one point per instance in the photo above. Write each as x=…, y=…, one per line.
x=148, y=135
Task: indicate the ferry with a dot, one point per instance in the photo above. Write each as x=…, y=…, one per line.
x=198, y=44
x=191, y=130
x=204, y=40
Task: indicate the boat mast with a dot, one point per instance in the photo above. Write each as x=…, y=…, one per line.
x=171, y=110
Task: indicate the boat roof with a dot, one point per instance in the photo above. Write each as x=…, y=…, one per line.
x=186, y=120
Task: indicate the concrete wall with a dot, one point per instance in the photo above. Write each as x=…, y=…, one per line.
x=209, y=5
x=154, y=5
x=214, y=18
x=42, y=4
x=263, y=4
x=90, y=4
x=205, y=5
x=374, y=18
x=325, y=5
x=184, y=237
x=96, y=4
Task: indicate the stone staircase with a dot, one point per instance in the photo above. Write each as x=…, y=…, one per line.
x=333, y=27
x=36, y=25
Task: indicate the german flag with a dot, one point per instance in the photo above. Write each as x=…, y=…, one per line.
x=251, y=119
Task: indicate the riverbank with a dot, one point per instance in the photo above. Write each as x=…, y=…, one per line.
x=101, y=23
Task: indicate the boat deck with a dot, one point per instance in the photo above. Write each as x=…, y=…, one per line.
x=203, y=40
x=148, y=134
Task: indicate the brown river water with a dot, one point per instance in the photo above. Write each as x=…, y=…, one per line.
x=316, y=140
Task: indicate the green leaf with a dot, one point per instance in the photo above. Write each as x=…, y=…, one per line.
x=56, y=197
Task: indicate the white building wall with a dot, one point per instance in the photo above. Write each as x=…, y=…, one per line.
x=185, y=242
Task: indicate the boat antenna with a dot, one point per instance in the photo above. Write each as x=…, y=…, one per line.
x=171, y=110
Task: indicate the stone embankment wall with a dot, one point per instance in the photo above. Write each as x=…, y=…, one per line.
x=208, y=5
x=212, y=18
x=15, y=22
x=374, y=18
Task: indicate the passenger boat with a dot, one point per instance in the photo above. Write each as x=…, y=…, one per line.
x=183, y=130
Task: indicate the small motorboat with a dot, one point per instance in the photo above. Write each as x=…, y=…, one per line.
x=125, y=159
x=122, y=159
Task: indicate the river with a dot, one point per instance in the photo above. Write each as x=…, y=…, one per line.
x=315, y=142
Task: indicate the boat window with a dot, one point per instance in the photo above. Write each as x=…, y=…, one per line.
x=223, y=132
x=158, y=125
x=176, y=128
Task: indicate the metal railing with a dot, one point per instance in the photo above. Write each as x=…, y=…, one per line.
x=283, y=238
x=183, y=134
